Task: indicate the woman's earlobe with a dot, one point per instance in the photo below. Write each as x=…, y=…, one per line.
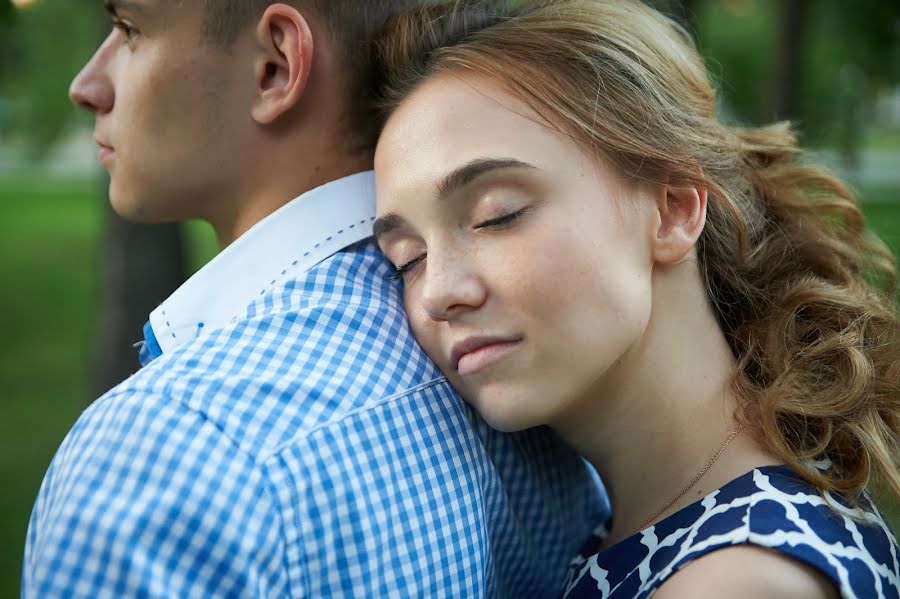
x=682, y=216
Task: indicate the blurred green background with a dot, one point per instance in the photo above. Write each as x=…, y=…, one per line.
x=831, y=66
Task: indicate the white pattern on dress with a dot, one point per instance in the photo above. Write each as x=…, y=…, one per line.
x=690, y=545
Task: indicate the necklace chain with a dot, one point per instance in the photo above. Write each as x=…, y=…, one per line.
x=695, y=480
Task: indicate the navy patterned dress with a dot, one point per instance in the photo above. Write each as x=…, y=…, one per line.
x=769, y=507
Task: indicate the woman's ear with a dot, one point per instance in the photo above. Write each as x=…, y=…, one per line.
x=283, y=68
x=682, y=215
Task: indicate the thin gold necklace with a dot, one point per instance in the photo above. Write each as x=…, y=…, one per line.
x=695, y=480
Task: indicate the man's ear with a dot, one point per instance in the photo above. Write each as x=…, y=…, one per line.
x=284, y=66
x=682, y=215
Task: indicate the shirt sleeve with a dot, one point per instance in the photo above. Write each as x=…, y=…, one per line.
x=146, y=498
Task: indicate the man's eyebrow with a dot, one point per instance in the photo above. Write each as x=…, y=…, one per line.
x=113, y=7
x=452, y=182
x=467, y=173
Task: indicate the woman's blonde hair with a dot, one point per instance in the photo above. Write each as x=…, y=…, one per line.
x=803, y=292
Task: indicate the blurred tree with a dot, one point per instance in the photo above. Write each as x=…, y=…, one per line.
x=737, y=39
x=821, y=62
x=789, y=61
x=683, y=10
x=853, y=56
x=6, y=11
x=6, y=18
x=141, y=265
x=36, y=68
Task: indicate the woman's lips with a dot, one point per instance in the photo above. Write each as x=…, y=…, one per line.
x=477, y=353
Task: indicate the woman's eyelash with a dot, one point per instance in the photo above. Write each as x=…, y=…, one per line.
x=404, y=268
x=502, y=220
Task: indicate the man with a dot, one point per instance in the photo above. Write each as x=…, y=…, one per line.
x=286, y=437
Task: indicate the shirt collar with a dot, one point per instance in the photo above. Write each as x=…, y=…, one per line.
x=297, y=236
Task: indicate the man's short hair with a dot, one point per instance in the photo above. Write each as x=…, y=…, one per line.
x=351, y=24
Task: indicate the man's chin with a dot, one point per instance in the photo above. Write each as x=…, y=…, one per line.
x=137, y=212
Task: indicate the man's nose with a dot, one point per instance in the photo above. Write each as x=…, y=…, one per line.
x=92, y=88
x=451, y=287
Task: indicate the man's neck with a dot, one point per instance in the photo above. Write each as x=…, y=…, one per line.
x=260, y=203
x=296, y=236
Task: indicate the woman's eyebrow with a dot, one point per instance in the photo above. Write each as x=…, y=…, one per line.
x=464, y=175
x=451, y=183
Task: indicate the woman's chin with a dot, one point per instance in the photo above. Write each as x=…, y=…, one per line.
x=502, y=412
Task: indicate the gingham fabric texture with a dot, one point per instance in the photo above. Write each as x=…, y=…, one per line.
x=769, y=507
x=307, y=448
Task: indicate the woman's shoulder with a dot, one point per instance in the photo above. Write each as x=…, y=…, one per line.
x=770, y=508
x=747, y=571
x=851, y=545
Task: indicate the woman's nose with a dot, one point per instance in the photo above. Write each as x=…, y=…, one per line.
x=451, y=287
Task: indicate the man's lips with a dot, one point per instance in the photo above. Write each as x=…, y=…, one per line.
x=104, y=153
x=104, y=150
x=474, y=353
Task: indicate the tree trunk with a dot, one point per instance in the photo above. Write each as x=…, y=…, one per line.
x=789, y=59
x=141, y=265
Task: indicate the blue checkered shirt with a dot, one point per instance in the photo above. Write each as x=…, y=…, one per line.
x=304, y=447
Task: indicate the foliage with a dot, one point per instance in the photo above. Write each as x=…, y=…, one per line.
x=44, y=48
x=851, y=54
x=739, y=46
x=6, y=11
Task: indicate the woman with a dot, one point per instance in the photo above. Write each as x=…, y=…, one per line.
x=583, y=245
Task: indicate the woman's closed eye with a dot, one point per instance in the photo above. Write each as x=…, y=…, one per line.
x=501, y=221
x=403, y=269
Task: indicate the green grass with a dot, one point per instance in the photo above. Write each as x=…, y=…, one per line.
x=882, y=138
x=49, y=253
x=882, y=211
x=49, y=265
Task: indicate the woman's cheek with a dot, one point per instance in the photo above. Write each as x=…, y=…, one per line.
x=422, y=325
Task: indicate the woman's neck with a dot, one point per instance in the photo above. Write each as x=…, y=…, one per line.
x=658, y=416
